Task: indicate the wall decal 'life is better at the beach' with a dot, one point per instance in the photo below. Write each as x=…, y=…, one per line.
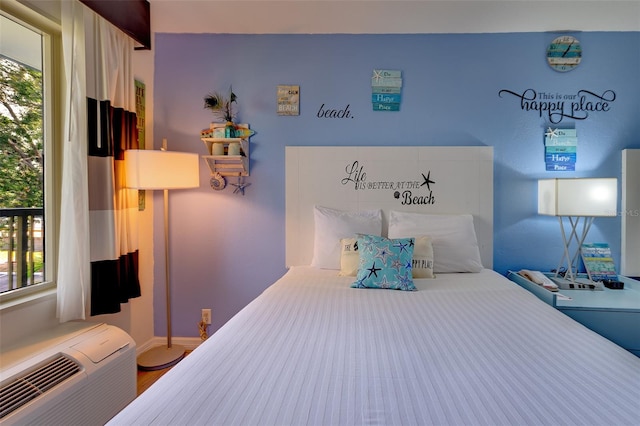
x=406, y=191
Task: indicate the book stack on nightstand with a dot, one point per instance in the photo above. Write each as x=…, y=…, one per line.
x=614, y=314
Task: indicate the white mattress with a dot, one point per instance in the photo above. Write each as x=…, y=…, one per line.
x=465, y=349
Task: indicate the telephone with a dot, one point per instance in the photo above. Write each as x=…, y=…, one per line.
x=560, y=283
x=539, y=278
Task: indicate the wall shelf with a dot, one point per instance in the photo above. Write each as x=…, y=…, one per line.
x=220, y=163
x=228, y=165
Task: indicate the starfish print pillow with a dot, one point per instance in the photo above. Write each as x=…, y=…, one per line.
x=385, y=263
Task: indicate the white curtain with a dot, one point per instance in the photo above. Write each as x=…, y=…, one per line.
x=98, y=229
x=73, y=249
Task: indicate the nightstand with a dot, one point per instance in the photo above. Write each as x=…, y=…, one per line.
x=614, y=314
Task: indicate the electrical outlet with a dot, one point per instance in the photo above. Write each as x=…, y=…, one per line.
x=206, y=316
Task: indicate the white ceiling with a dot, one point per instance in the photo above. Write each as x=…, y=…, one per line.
x=392, y=16
x=383, y=16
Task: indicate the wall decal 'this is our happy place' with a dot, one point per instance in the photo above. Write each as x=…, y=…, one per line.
x=557, y=106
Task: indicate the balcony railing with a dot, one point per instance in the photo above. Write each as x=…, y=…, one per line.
x=21, y=247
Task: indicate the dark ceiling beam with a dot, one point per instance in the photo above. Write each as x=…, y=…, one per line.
x=131, y=16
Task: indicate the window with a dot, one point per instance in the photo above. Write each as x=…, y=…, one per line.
x=28, y=152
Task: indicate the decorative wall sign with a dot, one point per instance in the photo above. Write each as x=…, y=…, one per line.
x=560, y=149
x=386, y=90
x=140, y=126
x=557, y=106
x=407, y=192
x=288, y=100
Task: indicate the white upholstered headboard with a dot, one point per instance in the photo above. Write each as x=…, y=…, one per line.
x=435, y=180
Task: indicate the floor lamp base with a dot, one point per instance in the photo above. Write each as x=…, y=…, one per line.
x=160, y=357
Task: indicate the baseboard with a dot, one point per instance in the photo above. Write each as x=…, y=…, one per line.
x=190, y=343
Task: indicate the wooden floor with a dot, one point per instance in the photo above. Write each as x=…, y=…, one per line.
x=147, y=378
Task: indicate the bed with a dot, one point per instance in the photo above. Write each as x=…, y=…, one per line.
x=462, y=348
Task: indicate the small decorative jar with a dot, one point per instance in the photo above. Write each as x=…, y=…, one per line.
x=234, y=148
x=217, y=148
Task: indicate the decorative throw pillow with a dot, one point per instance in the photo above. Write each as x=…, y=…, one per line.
x=455, y=247
x=349, y=257
x=331, y=225
x=422, y=266
x=385, y=263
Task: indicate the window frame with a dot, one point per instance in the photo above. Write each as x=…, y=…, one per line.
x=53, y=124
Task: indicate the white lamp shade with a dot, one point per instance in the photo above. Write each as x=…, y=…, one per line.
x=578, y=197
x=150, y=169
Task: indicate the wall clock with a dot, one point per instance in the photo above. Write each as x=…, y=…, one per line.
x=564, y=53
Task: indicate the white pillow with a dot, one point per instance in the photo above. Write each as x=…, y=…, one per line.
x=332, y=225
x=455, y=247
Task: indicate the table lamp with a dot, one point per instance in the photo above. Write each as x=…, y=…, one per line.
x=580, y=200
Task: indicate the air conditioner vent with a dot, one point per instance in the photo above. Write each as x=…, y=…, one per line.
x=35, y=383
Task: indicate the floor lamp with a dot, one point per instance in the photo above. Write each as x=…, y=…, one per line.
x=165, y=170
x=580, y=200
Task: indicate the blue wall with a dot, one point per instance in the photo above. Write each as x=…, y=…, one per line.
x=227, y=248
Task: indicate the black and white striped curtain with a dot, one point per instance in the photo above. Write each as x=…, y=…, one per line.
x=98, y=247
x=114, y=257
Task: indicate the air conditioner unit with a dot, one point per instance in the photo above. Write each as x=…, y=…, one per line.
x=75, y=374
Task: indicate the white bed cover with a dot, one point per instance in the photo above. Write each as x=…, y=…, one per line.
x=465, y=349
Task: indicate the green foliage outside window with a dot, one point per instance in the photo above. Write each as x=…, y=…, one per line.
x=21, y=137
x=21, y=159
